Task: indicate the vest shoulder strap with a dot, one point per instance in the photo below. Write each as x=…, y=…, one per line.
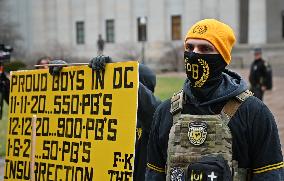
x=229, y=109
x=176, y=102
x=232, y=105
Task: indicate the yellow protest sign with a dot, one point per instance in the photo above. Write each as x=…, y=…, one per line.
x=85, y=123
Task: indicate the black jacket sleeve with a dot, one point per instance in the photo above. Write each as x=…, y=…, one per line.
x=277, y=175
x=256, y=141
x=158, y=143
x=257, y=73
x=147, y=104
x=267, y=160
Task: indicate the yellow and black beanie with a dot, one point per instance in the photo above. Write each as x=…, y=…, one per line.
x=218, y=33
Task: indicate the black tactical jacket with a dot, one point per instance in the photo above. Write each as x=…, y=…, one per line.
x=257, y=73
x=147, y=104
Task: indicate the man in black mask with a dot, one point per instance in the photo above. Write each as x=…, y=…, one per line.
x=183, y=124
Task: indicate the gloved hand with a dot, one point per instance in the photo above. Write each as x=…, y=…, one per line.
x=99, y=62
x=55, y=70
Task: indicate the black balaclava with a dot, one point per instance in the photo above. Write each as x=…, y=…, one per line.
x=204, y=72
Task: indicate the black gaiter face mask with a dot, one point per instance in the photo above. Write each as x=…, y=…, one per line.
x=204, y=72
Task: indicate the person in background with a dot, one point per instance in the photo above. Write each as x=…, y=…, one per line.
x=213, y=129
x=43, y=61
x=100, y=45
x=258, y=74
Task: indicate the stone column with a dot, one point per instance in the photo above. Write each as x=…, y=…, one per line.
x=157, y=26
x=123, y=21
x=257, y=22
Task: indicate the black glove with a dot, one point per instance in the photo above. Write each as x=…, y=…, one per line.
x=55, y=70
x=98, y=63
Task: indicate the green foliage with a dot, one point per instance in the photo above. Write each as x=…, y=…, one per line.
x=15, y=65
x=3, y=130
x=167, y=86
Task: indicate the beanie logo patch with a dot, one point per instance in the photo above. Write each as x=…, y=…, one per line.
x=200, y=29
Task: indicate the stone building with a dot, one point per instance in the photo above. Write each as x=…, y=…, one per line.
x=148, y=30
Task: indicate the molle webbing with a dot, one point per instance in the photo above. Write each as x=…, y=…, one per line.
x=229, y=109
x=218, y=141
x=176, y=102
x=232, y=105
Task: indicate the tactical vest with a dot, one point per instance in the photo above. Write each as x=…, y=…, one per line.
x=193, y=137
